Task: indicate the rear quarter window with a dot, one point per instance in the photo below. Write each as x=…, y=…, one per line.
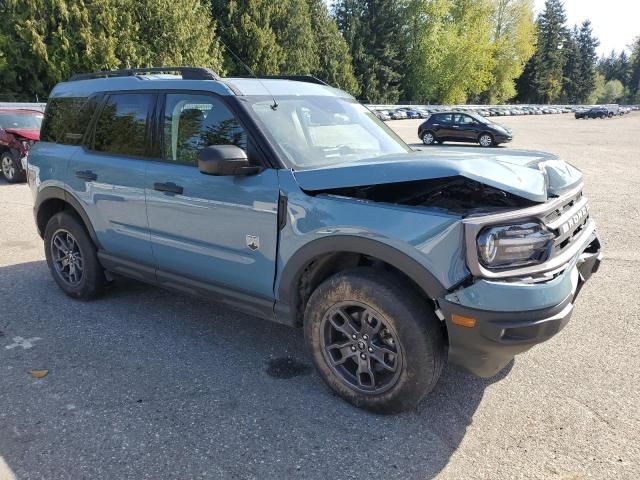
x=66, y=119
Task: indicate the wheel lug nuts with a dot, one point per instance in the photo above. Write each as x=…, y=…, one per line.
x=365, y=337
x=354, y=336
x=353, y=348
x=363, y=356
x=370, y=349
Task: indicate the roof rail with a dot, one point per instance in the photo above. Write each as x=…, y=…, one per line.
x=297, y=78
x=188, y=73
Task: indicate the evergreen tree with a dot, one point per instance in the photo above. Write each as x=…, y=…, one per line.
x=587, y=44
x=56, y=38
x=634, y=73
x=372, y=29
x=334, y=65
x=292, y=27
x=549, y=57
x=572, y=83
x=246, y=28
x=615, y=67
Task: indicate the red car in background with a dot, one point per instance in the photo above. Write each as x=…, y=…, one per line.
x=19, y=130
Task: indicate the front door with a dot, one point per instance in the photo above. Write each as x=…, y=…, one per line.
x=220, y=230
x=467, y=127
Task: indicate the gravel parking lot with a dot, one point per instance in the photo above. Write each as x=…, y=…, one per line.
x=149, y=384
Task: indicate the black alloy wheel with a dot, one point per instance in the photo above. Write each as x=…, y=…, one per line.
x=361, y=347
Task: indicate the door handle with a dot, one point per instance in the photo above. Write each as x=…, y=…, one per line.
x=168, y=187
x=87, y=175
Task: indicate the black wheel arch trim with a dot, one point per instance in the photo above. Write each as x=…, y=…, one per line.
x=288, y=294
x=58, y=193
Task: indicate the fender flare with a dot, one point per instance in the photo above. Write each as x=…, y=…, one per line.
x=287, y=287
x=49, y=193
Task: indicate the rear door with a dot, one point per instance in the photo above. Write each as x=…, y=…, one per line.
x=220, y=230
x=108, y=175
x=443, y=126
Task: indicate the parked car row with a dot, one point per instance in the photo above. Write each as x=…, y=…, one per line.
x=602, y=111
x=400, y=113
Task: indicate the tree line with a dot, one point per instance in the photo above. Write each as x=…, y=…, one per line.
x=382, y=51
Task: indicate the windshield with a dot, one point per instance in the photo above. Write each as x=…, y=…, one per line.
x=30, y=121
x=318, y=131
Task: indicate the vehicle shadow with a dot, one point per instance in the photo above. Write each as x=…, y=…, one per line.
x=148, y=383
x=426, y=148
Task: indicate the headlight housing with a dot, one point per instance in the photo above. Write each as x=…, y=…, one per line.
x=509, y=246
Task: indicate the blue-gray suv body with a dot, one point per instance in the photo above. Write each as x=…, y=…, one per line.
x=289, y=200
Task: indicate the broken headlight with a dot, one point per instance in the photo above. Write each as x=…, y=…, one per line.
x=514, y=245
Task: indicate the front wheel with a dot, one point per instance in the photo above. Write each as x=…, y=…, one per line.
x=10, y=170
x=485, y=140
x=374, y=341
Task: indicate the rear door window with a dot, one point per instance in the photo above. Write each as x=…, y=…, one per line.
x=123, y=124
x=66, y=119
x=193, y=122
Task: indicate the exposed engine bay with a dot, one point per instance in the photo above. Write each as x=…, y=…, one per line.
x=454, y=194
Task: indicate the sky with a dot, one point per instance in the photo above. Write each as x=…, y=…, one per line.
x=615, y=22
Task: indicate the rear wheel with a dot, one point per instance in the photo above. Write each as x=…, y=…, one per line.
x=10, y=170
x=428, y=138
x=373, y=340
x=485, y=140
x=72, y=257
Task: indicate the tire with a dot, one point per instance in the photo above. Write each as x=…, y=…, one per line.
x=486, y=140
x=428, y=138
x=10, y=169
x=65, y=229
x=409, y=338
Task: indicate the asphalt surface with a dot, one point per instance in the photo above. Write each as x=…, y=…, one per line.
x=148, y=384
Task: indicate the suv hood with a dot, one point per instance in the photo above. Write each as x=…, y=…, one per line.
x=532, y=175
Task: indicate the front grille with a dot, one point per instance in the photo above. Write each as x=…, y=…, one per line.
x=557, y=213
x=567, y=221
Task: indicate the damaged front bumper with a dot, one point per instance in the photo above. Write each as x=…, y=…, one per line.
x=491, y=321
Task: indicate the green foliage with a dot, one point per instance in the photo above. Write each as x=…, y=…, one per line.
x=612, y=92
x=598, y=89
x=514, y=36
x=587, y=45
x=246, y=28
x=335, y=65
x=373, y=30
x=615, y=66
x=453, y=55
x=549, y=57
x=634, y=73
x=572, y=70
x=48, y=40
x=288, y=37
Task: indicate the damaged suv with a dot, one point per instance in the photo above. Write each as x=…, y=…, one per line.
x=290, y=201
x=19, y=130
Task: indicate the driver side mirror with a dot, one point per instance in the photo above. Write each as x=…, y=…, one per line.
x=225, y=160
